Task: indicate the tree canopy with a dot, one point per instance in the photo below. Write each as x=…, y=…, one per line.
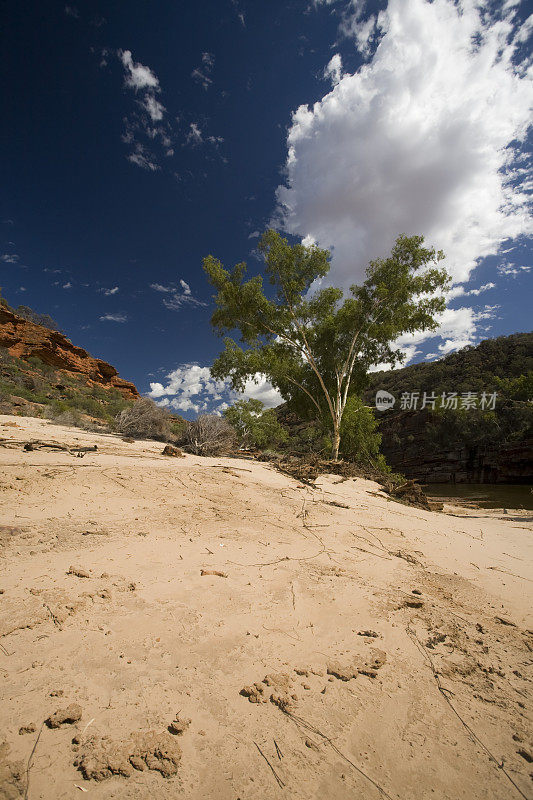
x=315, y=345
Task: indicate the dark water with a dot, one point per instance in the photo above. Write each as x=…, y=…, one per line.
x=484, y=495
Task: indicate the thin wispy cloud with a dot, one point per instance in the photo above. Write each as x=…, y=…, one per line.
x=10, y=258
x=202, y=74
x=179, y=295
x=113, y=318
x=513, y=269
x=146, y=128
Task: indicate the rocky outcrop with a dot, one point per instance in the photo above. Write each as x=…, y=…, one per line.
x=410, y=446
x=24, y=339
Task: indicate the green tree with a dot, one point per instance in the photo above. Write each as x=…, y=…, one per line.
x=254, y=425
x=360, y=440
x=316, y=347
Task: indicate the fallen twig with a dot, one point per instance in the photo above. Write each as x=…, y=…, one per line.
x=280, y=783
x=414, y=638
x=214, y=572
x=29, y=764
x=301, y=722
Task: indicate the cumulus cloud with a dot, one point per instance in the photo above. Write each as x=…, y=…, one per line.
x=424, y=138
x=191, y=387
x=9, y=258
x=109, y=292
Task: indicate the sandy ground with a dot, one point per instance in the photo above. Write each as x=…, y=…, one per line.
x=433, y=704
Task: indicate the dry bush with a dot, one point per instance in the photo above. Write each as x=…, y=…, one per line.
x=144, y=420
x=209, y=435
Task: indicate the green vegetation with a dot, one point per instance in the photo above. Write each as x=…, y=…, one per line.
x=54, y=391
x=317, y=348
x=30, y=315
x=254, y=426
x=472, y=369
x=503, y=365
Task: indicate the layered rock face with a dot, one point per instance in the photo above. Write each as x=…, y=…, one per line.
x=24, y=339
x=409, y=448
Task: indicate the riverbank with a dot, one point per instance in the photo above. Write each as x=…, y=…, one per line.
x=327, y=638
x=517, y=497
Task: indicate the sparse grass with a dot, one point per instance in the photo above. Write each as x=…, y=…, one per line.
x=66, y=398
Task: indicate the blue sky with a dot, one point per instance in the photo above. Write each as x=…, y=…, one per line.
x=141, y=137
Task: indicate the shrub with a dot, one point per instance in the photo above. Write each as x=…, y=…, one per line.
x=38, y=319
x=360, y=440
x=144, y=420
x=254, y=426
x=209, y=435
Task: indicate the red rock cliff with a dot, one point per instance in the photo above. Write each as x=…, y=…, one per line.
x=24, y=339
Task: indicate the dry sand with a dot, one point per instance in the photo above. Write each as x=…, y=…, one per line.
x=146, y=638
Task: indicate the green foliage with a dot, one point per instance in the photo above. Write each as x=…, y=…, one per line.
x=317, y=348
x=255, y=426
x=519, y=388
x=30, y=315
x=472, y=369
x=360, y=440
x=3, y=301
x=37, y=382
x=503, y=365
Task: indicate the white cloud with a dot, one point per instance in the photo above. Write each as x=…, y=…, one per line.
x=513, y=269
x=191, y=387
x=150, y=125
x=202, y=74
x=179, y=295
x=195, y=134
x=109, y=292
x=333, y=70
x=419, y=140
x=67, y=285
x=158, y=287
x=458, y=327
x=113, y=318
x=143, y=158
x=9, y=258
x=138, y=76
x=460, y=291
x=154, y=108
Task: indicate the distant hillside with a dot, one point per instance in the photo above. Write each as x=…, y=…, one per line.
x=473, y=369
x=41, y=371
x=461, y=445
